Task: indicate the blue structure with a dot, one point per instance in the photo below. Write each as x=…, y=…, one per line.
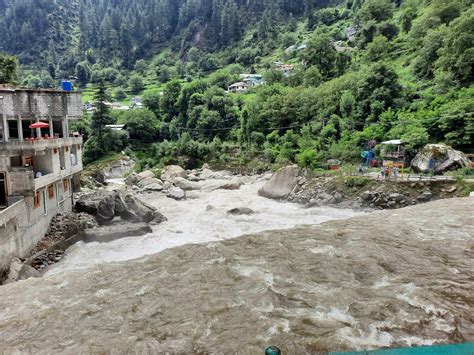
x=67, y=86
x=456, y=349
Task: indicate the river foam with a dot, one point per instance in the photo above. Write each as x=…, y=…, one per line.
x=201, y=219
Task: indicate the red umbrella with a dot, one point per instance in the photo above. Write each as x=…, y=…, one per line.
x=39, y=125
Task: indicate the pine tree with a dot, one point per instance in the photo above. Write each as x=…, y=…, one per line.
x=101, y=116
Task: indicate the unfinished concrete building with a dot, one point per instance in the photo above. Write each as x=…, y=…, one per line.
x=38, y=167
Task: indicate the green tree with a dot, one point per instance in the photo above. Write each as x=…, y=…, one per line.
x=377, y=10
x=151, y=100
x=457, y=56
x=321, y=53
x=141, y=125
x=8, y=69
x=136, y=84
x=120, y=94
x=83, y=73
x=101, y=116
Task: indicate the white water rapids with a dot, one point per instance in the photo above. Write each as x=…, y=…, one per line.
x=200, y=219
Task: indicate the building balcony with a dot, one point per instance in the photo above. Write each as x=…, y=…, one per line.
x=40, y=144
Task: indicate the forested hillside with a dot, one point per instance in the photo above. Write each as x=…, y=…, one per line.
x=356, y=72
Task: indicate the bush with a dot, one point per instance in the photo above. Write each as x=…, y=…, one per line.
x=307, y=159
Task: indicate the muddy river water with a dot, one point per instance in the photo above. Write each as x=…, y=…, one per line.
x=357, y=281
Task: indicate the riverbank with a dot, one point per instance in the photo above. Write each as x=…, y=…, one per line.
x=387, y=279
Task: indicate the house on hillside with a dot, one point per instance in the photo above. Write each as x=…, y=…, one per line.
x=238, y=87
x=285, y=68
x=252, y=80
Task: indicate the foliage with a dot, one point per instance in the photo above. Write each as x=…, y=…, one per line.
x=8, y=69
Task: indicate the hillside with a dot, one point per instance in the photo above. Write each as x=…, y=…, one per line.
x=338, y=75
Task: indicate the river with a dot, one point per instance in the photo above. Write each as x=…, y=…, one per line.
x=200, y=219
x=359, y=281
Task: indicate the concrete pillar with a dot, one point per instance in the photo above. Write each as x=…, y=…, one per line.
x=64, y=128
x=38, y=130
x=51, y=130
x=6, y=132
x=20, y=128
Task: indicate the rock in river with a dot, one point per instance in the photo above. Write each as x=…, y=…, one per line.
x=241, y=211
x=282, y=183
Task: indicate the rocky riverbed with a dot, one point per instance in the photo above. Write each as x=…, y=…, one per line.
x=394, y=278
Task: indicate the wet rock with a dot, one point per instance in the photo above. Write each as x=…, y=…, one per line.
x=149, y=181
x=20, y=271
x=366, y=196
x=132, y=209
x=176, y=194
x=396, y=197
x=117, y=231
x=221, y=185
x=282, y=183
x=145, y=175
x=105, y=206
x=439, y=157
x=186, y=185
x=425, y=196
x=210, y=208
x=173, y=171
x=241, y=211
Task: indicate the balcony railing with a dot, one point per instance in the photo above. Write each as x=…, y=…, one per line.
x=40, y=144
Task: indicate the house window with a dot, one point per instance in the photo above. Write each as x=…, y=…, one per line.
x=78, y=147
x=67, y=149
x=37, y=199
x=55, y=150
x=51, y=191
x=66, y=185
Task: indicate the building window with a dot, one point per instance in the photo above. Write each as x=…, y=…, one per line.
x=78, y=147
x=55, y=150
x=51, y=191
x=37, y=199
x=66, y=185
x=67, y=149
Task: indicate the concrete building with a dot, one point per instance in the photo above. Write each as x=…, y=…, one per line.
x=38, y=167
x=238, y=87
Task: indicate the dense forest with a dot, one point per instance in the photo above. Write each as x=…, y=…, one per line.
x=361, y=71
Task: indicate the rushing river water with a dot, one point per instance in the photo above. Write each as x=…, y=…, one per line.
x=385, y=279
x=201, y=219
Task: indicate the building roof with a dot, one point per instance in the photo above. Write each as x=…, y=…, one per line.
x=9, y=88
x=238, y=84
x=393, y=142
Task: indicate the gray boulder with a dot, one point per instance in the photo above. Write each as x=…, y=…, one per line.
x=20, y=271
x=116, y=231
x=173, y=171
x=282, y=183
x=176, y=194
x=440, y=157
x=131, y=209
x=151, y=184
x=186, y=185
x=144, y=175
x=105, y=206
x=119, y=168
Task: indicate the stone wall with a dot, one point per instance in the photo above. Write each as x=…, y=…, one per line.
x=22, y=225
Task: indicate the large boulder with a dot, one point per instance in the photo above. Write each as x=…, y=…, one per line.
x=149, y=181
x=20, y=271
x=440, y=158
x=131, y=209
x=105, y=206
x=213, y=185
x=171, y=172
x=119, y=168
x=145, y=175
x=282, y=183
